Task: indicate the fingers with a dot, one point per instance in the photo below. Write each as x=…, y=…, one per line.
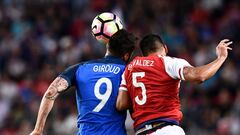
x=226, y=42
x=229, y=48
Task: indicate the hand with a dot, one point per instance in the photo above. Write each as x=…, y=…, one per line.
x=223, y=47
x=35, y=133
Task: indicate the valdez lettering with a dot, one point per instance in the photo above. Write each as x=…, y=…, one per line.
x=147, y=63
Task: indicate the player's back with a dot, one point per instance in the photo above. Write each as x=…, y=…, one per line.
x=97, y=85
x=153, y=92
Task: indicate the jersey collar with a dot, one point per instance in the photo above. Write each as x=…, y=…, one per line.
x=111, y=56
x=115, y=57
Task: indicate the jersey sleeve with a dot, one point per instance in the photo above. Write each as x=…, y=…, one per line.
x=70, y=74
x=123, y=85
x=174, y=67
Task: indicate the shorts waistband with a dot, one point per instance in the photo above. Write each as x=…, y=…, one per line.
x=170, y=121
x=150, y=128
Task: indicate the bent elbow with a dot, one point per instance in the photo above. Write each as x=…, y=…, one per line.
x=200, y=79
x=120, y=107
x=195, y=75
x=51, y=93
x=123, y=101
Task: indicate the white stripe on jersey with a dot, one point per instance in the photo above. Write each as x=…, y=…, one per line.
x=123, y=85
x=174, y=66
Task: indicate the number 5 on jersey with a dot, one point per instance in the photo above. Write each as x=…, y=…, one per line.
x=141, y=85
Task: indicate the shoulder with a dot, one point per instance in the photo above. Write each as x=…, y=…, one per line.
x=174, y=66
x=173, y=60
x=106, y=60
x=69, y=73
x=75, y=66
x=170, y=58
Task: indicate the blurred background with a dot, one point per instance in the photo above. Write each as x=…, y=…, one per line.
x=40, y=38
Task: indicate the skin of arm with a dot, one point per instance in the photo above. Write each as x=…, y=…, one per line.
x=202, y=73
x=56, y=87
x=123, y=101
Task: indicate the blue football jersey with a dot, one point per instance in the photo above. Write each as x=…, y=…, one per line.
x=97, y=84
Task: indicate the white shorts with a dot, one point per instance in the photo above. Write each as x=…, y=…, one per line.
x=169, y=130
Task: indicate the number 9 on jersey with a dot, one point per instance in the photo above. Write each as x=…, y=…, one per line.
x=103, y=97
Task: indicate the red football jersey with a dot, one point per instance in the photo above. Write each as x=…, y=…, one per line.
x=153, y=84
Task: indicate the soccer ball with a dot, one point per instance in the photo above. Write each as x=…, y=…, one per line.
x=105, y=25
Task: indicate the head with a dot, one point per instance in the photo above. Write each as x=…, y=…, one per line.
x=121, y=44
x=153, y=44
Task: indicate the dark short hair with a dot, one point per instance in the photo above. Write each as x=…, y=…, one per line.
x=149, y=44
x=122, y=42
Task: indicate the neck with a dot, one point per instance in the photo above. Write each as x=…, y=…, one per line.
x=159, y=53
x=108, y=53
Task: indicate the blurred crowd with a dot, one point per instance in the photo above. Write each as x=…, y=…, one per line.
x=40, y=38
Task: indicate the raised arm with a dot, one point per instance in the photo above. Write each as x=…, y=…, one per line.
x=202, y=73
x=56, y=87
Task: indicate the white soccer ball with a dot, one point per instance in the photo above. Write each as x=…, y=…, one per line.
x=105, y=25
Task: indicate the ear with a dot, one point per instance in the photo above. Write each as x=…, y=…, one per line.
x=126, y=57
x=165, y=48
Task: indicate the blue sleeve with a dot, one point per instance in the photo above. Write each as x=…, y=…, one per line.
x=70, y=74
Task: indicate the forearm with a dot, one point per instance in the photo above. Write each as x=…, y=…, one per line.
x=202, y=73
x=122, y=106
x=45, y=108
x=207, y=71
x=57, y=86
x=123, y=101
